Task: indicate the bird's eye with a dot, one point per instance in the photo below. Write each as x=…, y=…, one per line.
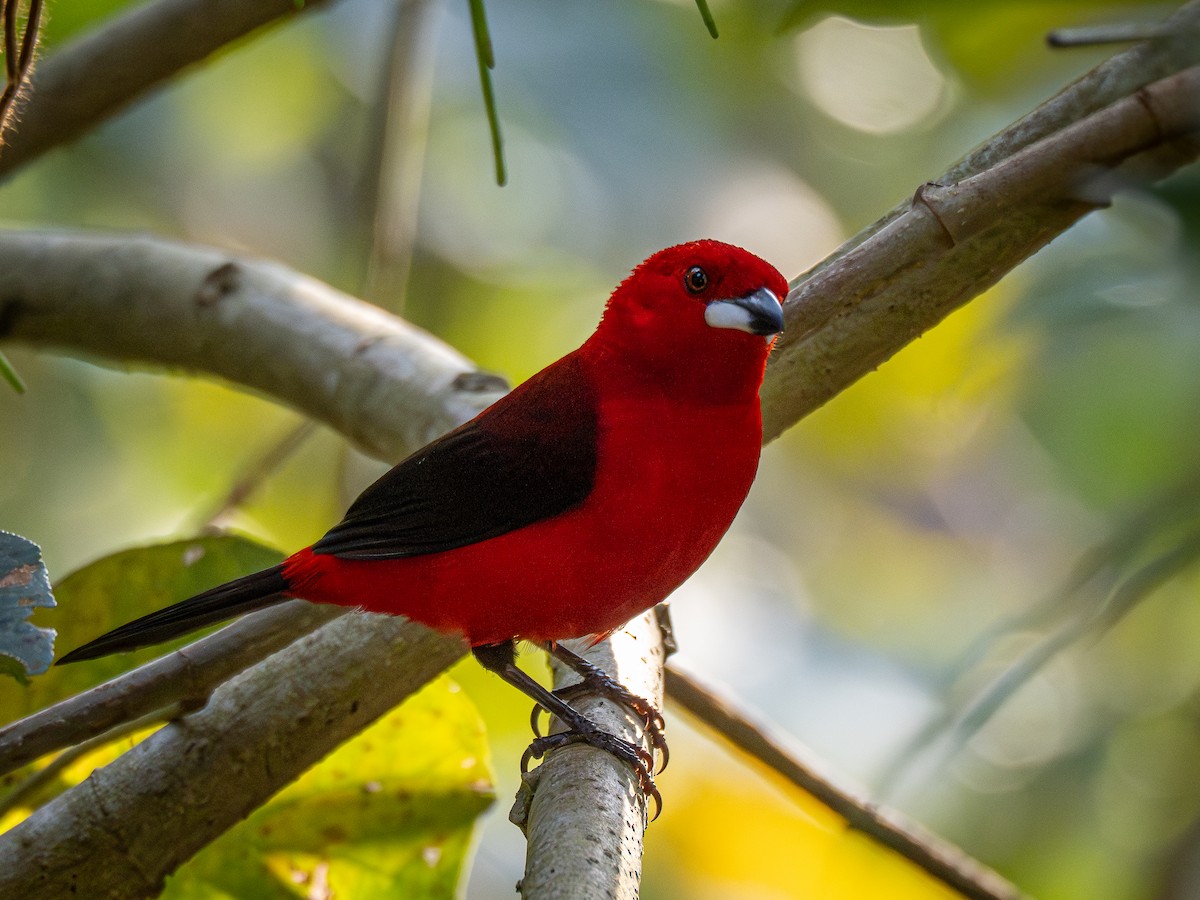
x=695, y=280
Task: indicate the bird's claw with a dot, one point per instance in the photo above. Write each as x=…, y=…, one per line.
x=638, y=758
x=653, y=724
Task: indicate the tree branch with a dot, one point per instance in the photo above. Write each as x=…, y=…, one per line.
x=388, y=386
x=134, y=821
x=955, y=240
x=581, y=810
x=186, y=677
x=943, y=861
x=106, y=69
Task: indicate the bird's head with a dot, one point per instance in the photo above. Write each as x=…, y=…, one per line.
x=706, y=309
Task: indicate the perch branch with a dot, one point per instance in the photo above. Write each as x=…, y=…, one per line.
x=581, y=810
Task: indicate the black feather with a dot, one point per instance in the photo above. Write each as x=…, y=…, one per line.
x=242, y=595
x=529, y=457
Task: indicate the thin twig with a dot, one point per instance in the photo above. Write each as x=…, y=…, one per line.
x=959, y=728
x=706, y=14
x=9, y=374
x=395, y=161
x=940, y=859
x=17, y=63
x=1082, y=593
x=1131, y=592
x=96, y=75
x=259, y=470
x=11, y=56
x=486, y=61
x=1115, y=33
x=29, y=39
x=1085, y=588
x=187, y=676
x=51, y=770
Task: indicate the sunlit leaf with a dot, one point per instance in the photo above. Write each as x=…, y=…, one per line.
x=389, y=814
x=25, y=649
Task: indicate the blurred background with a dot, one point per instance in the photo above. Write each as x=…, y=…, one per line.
x=970, y=583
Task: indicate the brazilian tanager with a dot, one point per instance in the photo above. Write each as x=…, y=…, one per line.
x=579, y=500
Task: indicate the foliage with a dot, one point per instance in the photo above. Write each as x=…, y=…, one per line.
x=120, y=587
x=389, y=814
x=24, y=586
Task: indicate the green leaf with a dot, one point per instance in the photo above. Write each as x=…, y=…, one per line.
x=24, y=586
x=121, y=587
x=388, y=814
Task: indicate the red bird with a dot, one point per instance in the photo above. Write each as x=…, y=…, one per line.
x=574, y=503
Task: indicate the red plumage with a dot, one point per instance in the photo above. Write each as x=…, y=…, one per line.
x=580, y=499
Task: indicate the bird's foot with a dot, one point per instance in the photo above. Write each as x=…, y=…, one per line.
x=639, y=759
x=597, y=682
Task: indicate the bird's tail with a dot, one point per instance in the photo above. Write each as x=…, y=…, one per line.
x=242, y=595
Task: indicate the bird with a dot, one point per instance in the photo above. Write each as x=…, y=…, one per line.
x=572, y=504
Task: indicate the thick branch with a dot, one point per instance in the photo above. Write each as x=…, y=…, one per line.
x=134, y=821
x=108, y=68
x=385, y=384
x=954, y=241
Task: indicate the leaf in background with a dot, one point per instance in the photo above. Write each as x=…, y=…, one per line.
x=117, y=588
x=25, y=649
x=984, y=41
x=388, y=814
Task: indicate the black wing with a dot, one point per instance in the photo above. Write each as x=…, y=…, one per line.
x=530, y=456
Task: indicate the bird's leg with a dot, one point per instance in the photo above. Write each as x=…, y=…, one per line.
x=500, y=658
x=595, y=680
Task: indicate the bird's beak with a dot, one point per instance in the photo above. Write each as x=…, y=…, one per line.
x=757, y=313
